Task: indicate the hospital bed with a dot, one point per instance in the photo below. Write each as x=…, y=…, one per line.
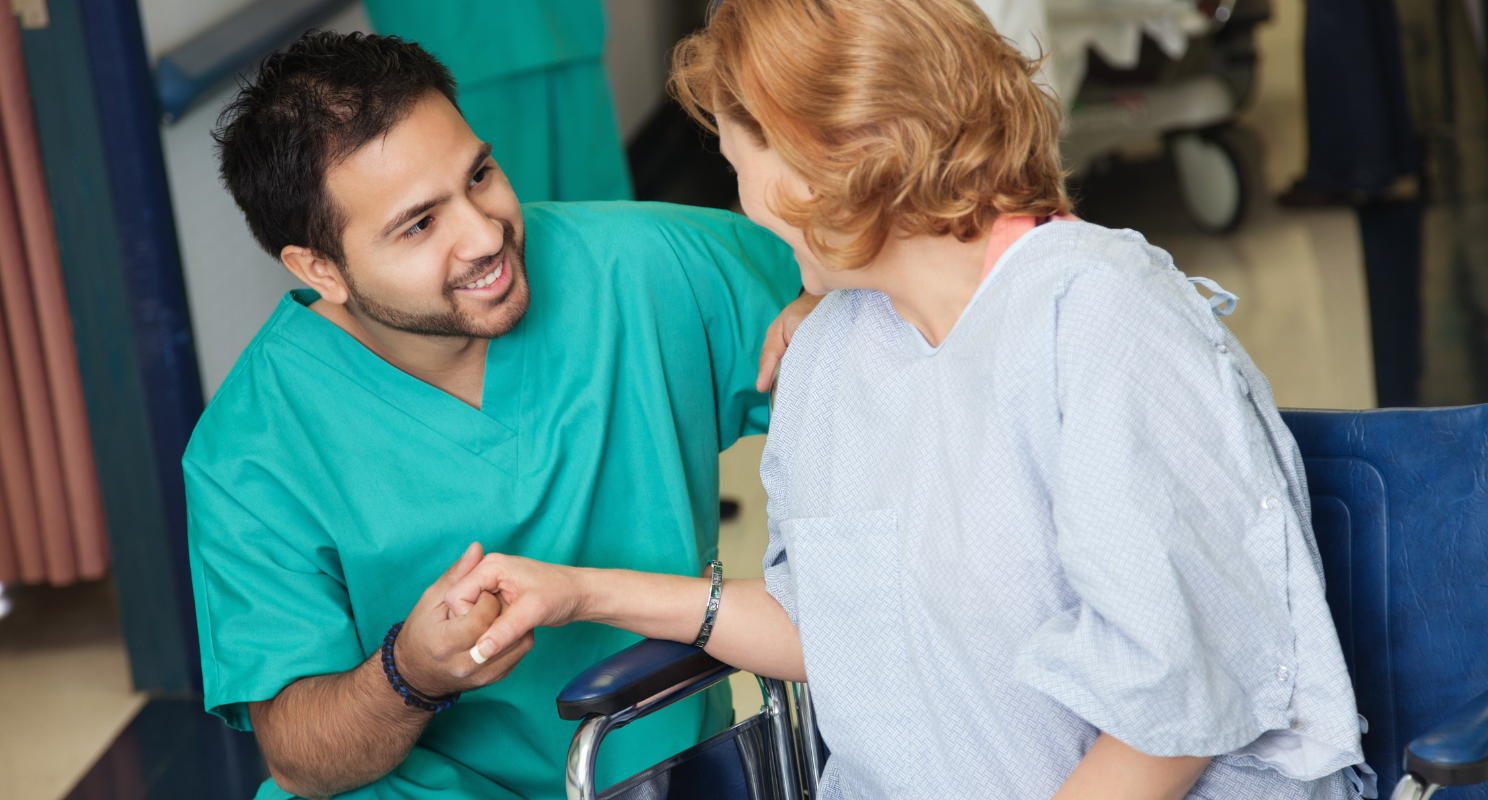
x=1400, y=511
x=1134, y=71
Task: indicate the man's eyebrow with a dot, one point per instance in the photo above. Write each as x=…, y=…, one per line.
x=480, y=158
x=416, y=210
x=410, y=214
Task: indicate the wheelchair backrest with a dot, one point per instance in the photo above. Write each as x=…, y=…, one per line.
x=1400, y=511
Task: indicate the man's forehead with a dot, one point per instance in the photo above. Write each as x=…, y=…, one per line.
x=430, y=146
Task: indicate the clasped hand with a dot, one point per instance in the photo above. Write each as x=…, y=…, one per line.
x=531, y=594
x=433, y=651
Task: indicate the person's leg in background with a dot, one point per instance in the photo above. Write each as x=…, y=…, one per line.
x=1359, y=134
x=586, y=133
x=1391, y=233
x=1362, y=150
x=532, y=82
x=552, y=131
x=512, y=114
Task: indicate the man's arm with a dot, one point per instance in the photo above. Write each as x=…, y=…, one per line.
x=740, y=276
x=1112, y=770
x=308, y=730
x=328, y=734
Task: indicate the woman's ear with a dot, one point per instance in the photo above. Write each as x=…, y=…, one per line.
x=317, y=272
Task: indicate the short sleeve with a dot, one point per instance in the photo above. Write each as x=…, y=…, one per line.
x=1179, y=619
x=270, y=605
x=780, y=582
x=741, y=276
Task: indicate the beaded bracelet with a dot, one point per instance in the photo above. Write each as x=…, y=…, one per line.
x=713, y=597
x=411, y=696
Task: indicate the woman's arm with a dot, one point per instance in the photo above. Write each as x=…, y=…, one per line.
x=752, y=630
x=1111, y=770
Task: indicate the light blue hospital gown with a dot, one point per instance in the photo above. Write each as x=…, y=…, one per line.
x=1080, y=513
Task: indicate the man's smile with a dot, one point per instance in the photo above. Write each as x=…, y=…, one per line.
x=493, y=283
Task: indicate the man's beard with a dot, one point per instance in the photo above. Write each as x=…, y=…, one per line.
x=454, y=321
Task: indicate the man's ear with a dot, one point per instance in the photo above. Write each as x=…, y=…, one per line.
x=317, y=272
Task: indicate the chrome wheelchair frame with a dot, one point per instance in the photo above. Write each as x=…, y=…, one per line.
x=653, y=674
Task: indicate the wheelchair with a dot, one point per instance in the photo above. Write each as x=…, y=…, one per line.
x=1400, y=513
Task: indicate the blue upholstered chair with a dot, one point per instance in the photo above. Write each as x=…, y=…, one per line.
x=1400, y=510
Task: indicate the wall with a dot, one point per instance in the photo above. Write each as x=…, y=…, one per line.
x=171, y=23
x=640, y=37
x=232, y=285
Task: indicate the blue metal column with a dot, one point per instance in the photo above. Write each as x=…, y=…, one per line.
x=98, y=124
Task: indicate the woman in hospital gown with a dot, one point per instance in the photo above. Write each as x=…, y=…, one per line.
x=1036, y=527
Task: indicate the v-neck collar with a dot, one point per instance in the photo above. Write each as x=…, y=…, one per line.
x=473, y=429
x=990, y=275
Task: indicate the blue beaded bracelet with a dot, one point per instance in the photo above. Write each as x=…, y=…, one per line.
x=411, y=696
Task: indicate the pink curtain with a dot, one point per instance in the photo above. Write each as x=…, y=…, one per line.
x=51, y=512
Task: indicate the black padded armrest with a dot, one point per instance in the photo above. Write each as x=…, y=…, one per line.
x=643, y=670
x=1455, y=752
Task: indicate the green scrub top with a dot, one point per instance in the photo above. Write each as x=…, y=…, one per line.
x=326, y=489
x=532, y=83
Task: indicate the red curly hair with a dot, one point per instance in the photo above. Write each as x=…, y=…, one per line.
x=903, y=116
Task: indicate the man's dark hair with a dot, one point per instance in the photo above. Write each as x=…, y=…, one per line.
x=312, y=104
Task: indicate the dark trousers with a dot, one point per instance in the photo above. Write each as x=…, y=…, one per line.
x=1360, y=140
x=1391, y=233
x=1359, y=132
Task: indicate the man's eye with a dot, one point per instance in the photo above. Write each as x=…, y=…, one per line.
x=480, y=175
x=420, y=226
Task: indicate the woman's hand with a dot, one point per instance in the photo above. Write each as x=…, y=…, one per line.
x=778, y=336
x=1113, y=770
x=536, y=594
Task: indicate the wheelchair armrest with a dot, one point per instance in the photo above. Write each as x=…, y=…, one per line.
x=638, y=672
x=1455, y=752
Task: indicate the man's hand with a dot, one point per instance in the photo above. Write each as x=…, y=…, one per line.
x=328, y=734
x=433, y=651
x=778, y=336
x=533, y=594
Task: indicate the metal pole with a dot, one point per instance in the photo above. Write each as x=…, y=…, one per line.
x=785, y=739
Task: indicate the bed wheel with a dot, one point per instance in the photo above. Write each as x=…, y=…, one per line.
x=1213, y=178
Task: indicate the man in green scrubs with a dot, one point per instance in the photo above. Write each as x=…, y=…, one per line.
x=532, y=84
x=550, y=380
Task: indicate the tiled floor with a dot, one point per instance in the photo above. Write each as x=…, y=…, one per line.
x=172, y=750
x=68, y=692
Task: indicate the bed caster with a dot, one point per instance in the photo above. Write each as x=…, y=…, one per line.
x=1213, y=178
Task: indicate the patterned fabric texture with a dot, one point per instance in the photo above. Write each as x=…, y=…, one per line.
x=1080, y=513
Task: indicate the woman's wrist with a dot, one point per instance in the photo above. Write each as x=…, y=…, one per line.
x=594, y=595
x=655, y=605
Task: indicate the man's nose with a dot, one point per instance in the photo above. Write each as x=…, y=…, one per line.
x=480, y=236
